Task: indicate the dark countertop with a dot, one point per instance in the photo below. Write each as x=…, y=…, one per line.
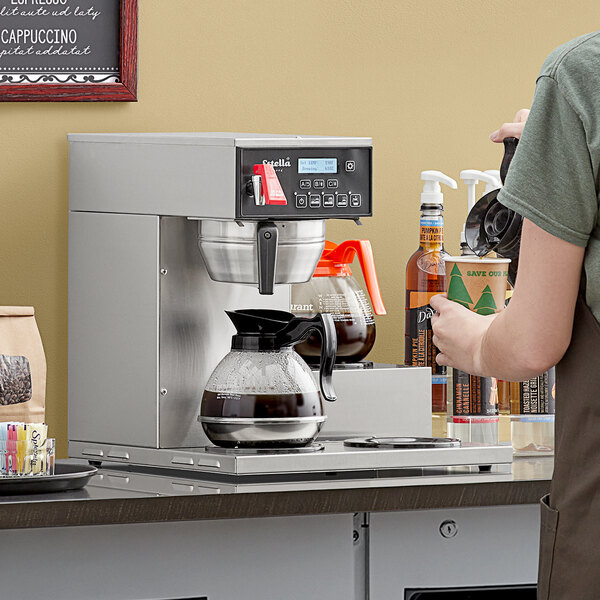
x=116, y=496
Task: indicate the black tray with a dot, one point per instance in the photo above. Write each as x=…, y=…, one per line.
x=66, y=477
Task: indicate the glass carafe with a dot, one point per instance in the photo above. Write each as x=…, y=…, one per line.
x=262, y=394
x=333, y=290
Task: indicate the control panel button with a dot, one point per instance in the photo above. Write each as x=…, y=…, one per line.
x=332, y=184
x=328, y=200
x=350, y=166
x=342, y=200
x=301, y=200
x=305, y=184
x=319, y=184
x=315, y=201
x=355, y=200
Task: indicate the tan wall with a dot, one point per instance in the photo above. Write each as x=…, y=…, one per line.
x=428, y=80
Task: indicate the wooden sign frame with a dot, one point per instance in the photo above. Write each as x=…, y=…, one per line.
x=124, y=91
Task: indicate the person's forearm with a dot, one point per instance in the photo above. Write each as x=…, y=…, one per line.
x=533, y=332
x=510, y=350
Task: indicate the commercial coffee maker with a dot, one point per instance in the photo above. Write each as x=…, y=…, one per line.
x=166, y=233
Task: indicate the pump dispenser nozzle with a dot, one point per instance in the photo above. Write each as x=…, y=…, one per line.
x=472, y=177
x=432, y=192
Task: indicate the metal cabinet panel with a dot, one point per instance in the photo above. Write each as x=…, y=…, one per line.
x=452, y=548
x=385, y=401
x=113, y=328
x=195, y=332
x=255, y=559
x=152, y=178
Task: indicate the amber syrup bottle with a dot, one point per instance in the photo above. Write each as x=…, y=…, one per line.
x=425, y=277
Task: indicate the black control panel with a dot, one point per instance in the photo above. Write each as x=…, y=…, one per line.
x=318, y=183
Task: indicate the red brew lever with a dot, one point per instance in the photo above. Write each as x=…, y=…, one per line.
x=271, y=188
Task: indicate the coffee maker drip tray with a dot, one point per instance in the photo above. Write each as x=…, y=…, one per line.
x=363, y=458
x=324, y=459
x=388, y=443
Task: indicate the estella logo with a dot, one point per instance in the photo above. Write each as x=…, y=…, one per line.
x=280, y=162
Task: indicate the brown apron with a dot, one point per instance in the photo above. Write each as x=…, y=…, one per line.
x=570, y=528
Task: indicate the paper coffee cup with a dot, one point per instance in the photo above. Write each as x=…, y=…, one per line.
x=479, y=284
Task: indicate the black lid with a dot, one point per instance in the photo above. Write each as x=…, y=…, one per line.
x=258, y=329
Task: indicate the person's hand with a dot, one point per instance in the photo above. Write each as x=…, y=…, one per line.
x=514, y=129
x=458, y=334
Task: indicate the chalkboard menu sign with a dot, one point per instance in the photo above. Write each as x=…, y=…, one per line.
x=53, y=50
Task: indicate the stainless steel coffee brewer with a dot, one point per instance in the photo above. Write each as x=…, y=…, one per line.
x=166, y=233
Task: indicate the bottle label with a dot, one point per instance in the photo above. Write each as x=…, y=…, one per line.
x=420, y=350
x=537, y=395
x=474, y=396
x=432, y=230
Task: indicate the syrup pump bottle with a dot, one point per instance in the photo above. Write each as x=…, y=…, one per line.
x=473, y=410
x=333, y=290
x=426, y=277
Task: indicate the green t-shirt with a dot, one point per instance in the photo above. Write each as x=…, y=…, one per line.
x=554, y=177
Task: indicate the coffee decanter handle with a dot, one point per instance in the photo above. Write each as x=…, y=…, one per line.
x=328, y=352
x=344, y=253
x=298, y=329
x=510, y=147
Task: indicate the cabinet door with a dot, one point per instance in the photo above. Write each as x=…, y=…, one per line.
x=287, y=558
x=456, y=548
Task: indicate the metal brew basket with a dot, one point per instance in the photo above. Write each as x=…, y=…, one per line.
x=230, y=250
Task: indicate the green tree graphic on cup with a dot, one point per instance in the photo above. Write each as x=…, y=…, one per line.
x=485, y=305
x=457, y=290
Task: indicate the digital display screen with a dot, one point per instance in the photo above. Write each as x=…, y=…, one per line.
x=317, y=165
